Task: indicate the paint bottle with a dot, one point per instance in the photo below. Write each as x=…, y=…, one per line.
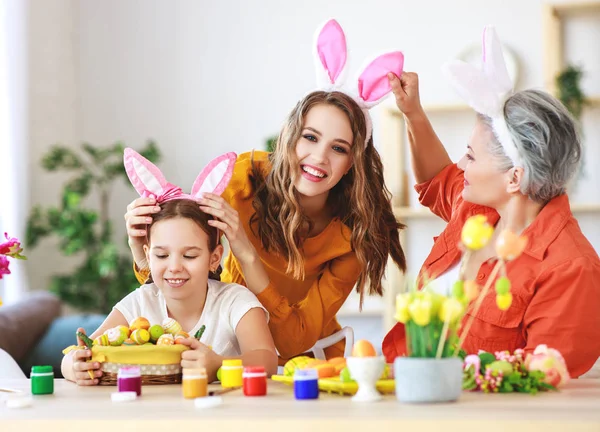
x=194, y=383
x=130, y=379
x=306, y=384
x=231, y=373
x=42, y=380
x=255, y=381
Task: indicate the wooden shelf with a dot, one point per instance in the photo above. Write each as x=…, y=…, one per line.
x=577, y=8
x=424, y=213
x=355, y=313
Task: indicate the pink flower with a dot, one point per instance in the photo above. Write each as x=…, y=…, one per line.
x=4, y=266
x=551, y=362
x=12, y=247
x=472, y=360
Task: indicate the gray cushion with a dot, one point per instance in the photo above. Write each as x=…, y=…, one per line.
x=24, y=323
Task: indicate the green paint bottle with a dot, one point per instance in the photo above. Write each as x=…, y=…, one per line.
x=42, y=380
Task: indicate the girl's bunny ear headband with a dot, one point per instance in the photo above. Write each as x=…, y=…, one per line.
x=147, y=179
x=487, y=89
x=372, y=85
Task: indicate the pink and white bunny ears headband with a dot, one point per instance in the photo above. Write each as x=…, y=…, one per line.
x=487, y=89
x=147, y=179
x=372, y=85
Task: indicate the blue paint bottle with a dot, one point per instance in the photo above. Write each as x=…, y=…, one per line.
x=306, y=384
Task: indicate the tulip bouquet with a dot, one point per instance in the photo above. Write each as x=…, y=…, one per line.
x=10, y=248
x=503, y=372
x=432, y=320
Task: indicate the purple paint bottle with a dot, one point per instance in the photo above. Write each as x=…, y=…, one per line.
x=130, y=379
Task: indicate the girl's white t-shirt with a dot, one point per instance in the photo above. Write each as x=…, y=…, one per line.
x=226, y=304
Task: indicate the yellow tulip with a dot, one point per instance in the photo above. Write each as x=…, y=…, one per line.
x=504, y=301
x=402, y=301
x=420, y=310
x=476, y=232
x=452, y=309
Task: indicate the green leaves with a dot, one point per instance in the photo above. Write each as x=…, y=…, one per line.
x=569, y=90
x=105, y=275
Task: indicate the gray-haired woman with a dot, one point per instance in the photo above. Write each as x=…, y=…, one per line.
x=555, y=288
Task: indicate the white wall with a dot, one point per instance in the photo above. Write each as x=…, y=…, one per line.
x=206, y=77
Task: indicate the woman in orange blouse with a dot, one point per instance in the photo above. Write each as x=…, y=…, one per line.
x=305, y=224
x=555, y=282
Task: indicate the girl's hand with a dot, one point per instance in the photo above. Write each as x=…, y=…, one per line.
x=138, y=216
x=81, y=366
x=228, y=221
x=199, y=355
x=406, y=91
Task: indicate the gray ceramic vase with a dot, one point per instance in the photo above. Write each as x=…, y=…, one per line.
x=428, y=380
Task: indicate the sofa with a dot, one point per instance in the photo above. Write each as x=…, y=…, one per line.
x=34, y=331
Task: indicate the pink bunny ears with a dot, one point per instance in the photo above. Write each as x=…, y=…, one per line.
x=487, y=89
x=372, y=85
x=147, y=179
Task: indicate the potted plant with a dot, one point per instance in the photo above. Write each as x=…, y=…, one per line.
x=433, y=370
x=105, y=274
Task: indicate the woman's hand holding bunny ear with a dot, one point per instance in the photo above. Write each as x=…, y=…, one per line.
x=406, y=92
x=138, y=216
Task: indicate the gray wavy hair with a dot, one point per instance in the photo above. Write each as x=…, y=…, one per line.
x=547, y=139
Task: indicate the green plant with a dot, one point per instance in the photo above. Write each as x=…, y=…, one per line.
x=270, y=144
x=570, y=93
x=105, y=275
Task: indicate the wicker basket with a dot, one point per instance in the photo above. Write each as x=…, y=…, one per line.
x=159, y=364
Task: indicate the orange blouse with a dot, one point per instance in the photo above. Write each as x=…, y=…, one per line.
x=555, y=283
x=300, y=311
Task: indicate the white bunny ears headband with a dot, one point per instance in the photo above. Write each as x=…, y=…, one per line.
x=487, y=89
x=148, y=180
x=373, y=86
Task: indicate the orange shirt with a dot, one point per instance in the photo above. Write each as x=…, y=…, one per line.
x=555, y=282
x=301, y=311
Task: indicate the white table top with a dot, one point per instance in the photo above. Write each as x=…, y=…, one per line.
x=162, y=408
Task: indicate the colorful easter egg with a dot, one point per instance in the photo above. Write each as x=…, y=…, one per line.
x=166, y=339
x=363, y=348
x=125, y=330
x=156, y=331
x=472, y=290
x=171, y=326
x=140, y=336
x=476, y=232
x=509, y=245
x=139, y=323
x=116, y=336
x=181, y=336
x=129, y=342
x=295, y=363
x=102, y=340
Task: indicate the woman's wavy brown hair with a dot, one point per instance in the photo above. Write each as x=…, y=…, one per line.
x=360, y=199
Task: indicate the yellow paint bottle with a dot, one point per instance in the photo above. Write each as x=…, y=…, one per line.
x=231, y=373
x=194, y=383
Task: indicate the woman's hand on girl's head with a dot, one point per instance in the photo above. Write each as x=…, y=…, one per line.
x=138, y=216
x=406, y=92
x=228, y=221
x=199, y=355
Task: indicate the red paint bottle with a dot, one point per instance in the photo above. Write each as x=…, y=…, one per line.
x=255, y=381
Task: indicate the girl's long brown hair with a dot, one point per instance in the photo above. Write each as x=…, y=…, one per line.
x=188, y=209
x=360, y=199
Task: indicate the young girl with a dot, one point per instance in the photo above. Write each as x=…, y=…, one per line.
x=184, y=254
x=313, y=219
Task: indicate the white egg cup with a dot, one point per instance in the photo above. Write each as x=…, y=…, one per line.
x=366, y=371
